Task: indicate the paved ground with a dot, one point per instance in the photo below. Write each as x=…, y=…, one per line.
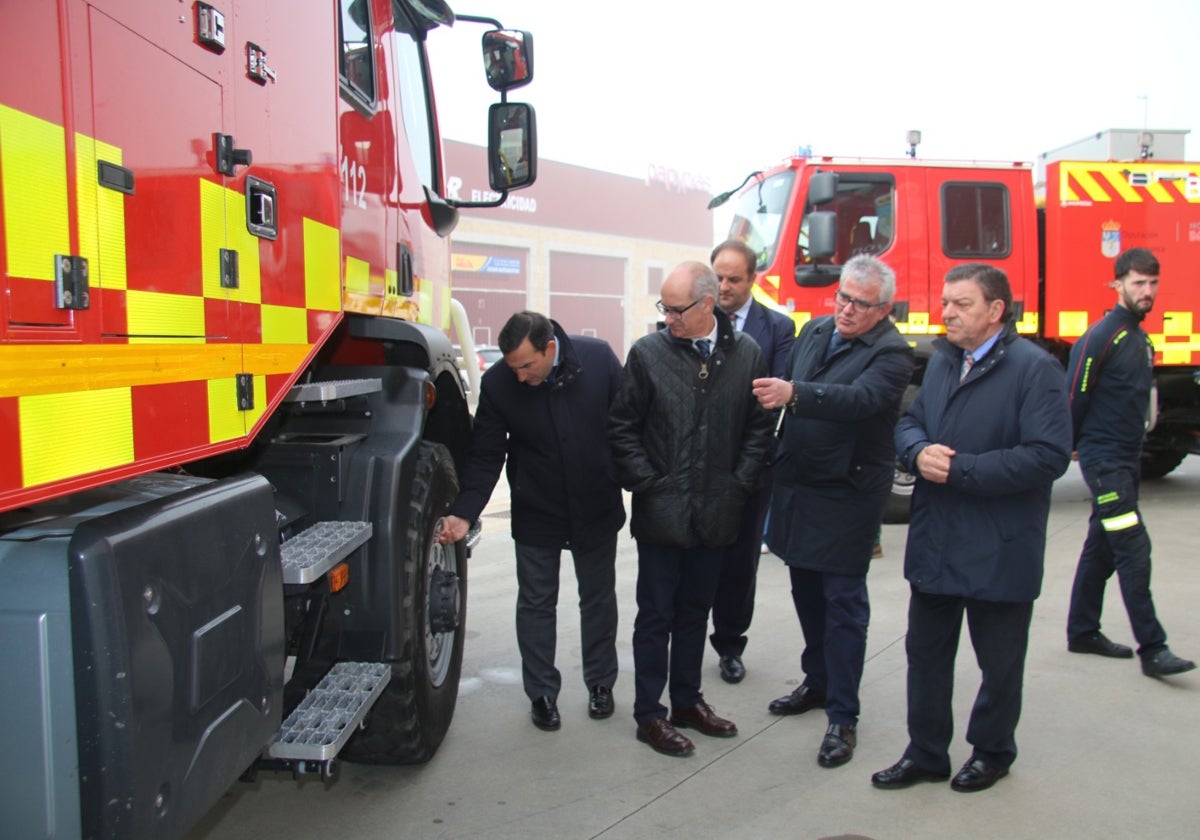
x=1105, y=751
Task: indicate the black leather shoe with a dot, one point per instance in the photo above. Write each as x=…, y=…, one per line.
x=545, y=714
x=600, y=702
x=732, y=669
x=838, y=746
x=702, y=717
x=664, y=738
x=1100, y=645
x=798, y=702
x=904, y=773
x=977, y=774
x=1165, y=664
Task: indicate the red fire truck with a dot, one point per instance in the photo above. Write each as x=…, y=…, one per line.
x=808, y=215
x=230, y=414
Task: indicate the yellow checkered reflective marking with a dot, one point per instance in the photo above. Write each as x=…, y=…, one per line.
x=101, y=215
x=223, y=225
x=65, y=435
x=225, y=421
x=158, y=317
x=51, y=385
x=33, y=177
x=1177, y=343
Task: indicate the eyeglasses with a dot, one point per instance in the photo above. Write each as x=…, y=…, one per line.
x=860, y=306
x=677, y=311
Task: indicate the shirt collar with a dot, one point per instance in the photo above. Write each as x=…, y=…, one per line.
x=985, y=348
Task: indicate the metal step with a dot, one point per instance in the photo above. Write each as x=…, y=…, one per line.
x=320, y=726
x=332, y=390
x=316, y=550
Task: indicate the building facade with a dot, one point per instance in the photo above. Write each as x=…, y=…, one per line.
x=588, y=248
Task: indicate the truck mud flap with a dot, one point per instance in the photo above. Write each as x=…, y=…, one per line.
x=177, y=631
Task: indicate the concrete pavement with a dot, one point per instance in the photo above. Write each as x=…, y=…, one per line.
x=1105, y=752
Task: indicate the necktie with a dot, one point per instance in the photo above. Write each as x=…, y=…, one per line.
x=704, y=348
x=968, y=362
x=733, y=319
x=835, y=342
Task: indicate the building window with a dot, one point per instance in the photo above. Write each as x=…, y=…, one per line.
x=654, y=279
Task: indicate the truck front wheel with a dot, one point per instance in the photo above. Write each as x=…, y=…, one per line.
x=409, y=721
x=1156, y=463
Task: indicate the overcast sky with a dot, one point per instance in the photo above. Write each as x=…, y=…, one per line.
x=721, y=89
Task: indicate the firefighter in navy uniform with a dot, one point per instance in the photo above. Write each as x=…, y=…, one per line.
x=1110, y=374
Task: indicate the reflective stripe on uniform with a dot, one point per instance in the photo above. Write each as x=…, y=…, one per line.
x=1107, y=498
x=1120, y=522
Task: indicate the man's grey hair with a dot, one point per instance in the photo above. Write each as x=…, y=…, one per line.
x=704, y=281
x=868, y=269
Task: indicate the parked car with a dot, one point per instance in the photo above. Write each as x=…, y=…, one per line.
x=488, y=355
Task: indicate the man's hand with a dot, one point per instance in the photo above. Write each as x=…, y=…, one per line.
x=772, y=393
x=933, y=462
x=454, y=528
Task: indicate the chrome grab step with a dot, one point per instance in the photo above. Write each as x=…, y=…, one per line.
x=316, y=550
x=332, y=390
x=320, y=726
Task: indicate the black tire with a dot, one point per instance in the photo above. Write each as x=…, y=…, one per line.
x=898, y=508
x=1156, y=463
x=899, y=503
x=409, y=721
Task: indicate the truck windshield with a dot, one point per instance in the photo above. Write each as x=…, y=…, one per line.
x=758, y=214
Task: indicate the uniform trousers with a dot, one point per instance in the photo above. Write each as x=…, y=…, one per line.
x=675, y=589
x=1000, y=636
x=1116, y=541
x=537, y=601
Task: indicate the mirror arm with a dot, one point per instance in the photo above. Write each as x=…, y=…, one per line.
x=476, y=19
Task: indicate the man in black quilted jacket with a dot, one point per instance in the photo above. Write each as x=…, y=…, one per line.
x=689, y=441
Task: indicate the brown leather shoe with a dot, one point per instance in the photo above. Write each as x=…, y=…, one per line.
x=701, y=717
x=664, y=738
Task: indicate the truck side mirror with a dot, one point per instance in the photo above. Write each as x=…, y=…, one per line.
x=512, y=146
x=822, y=234
x=508, y=58
x=822, y=243
x=822, y=188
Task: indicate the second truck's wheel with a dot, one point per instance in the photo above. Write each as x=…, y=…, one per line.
x=408, y=722
x=1156, y=463
x=899, y=504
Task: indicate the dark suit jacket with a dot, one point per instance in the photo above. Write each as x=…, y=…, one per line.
x=774, y=332
x=833, y=470
x=554, y=437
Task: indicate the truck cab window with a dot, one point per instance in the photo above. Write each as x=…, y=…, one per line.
x=412, y=81
x=863, y=205
x=759, y=213
x=975, y=220
x=356, y=59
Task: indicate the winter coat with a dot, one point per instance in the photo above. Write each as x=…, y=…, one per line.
x=982, y=534
x=836, y=458
x=561, y=480
x=690, y=448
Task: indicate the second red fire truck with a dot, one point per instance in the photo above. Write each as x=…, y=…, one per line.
x=806, y=216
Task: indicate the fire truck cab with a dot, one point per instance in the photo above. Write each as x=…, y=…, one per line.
x=231, y=414
x=808, y=215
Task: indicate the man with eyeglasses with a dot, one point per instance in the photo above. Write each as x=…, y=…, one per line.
x=545, y=411
x=734, y=262
x=833, y=472
x=689, y=441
